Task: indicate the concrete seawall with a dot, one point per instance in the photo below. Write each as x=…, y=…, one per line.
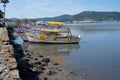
x=8, y=65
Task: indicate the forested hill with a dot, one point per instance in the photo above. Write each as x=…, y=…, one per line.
x=87, y=15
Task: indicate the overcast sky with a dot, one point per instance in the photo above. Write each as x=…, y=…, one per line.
x=52, y=8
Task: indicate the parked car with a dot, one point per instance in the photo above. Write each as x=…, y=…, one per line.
x=2, y=25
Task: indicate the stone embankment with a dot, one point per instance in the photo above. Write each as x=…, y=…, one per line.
x=8, y=65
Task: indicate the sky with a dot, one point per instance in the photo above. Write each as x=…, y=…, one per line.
x=52, y=8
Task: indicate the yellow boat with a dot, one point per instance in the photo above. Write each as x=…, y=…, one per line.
x=55, y=23
x=53, y=36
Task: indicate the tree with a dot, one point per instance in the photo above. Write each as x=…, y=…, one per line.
x=1, y=14
x=32, y=20
x=18, y=22
x=25, y=21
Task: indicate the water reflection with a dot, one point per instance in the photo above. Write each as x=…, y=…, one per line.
x=57, y=60
x=52, y=49
x=18, y=39
x=95, y=28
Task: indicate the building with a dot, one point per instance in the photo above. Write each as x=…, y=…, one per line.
x=9, y=23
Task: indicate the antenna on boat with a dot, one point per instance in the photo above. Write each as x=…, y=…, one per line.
x=69, y=31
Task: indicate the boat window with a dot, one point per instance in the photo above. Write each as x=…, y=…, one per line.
x=48, y=33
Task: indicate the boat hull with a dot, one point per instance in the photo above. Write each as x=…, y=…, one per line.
x=59, y=41
x=30, y=39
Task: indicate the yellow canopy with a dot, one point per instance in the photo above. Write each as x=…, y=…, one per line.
x=55, y=23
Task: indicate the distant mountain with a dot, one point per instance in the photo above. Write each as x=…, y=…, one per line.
x=18, y=18
x=14, y=19
x=97, y=16
x=86, y=15
x=58, y=18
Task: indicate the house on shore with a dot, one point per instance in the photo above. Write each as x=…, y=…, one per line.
x=9, y=23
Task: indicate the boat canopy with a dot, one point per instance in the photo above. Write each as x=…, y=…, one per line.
x=55, y=30
x=55, y=23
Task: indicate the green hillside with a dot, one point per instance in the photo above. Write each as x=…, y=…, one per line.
x=86, y=15
x=98, y=16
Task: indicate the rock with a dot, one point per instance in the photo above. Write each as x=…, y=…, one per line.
x=6, y=77
x=7, y=43
x=51, y=72
x=3, y=40
x=41, y=56
x=84, y=74
x=59, y=69
x=39, y=63
x=27, y=60
x=36, y=59
x=56, y=64
x=3, y=74
x=40, y=71
x=45, y=78
x=46, y=60
x=26, y=50
x=72, y=72
x=44, y=64
x=34, y=69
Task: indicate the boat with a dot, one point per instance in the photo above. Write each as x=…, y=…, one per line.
x=29, y=27
x=52, y=36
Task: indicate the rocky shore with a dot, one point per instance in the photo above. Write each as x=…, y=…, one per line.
x=26, y=65
x=47, y=69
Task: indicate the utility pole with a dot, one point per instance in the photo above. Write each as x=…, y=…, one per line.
x=4, y=5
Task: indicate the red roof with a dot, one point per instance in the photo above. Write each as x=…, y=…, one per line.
x=8, y=20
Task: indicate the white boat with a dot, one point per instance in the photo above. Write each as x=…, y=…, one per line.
x=52, y=36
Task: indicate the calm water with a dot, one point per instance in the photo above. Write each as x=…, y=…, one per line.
x=97, y=54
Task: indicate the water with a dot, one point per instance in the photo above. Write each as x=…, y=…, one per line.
x=97, y=55
x=18, y=40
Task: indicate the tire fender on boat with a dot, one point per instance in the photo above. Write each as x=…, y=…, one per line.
x=68, y=38
x=41, y=37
